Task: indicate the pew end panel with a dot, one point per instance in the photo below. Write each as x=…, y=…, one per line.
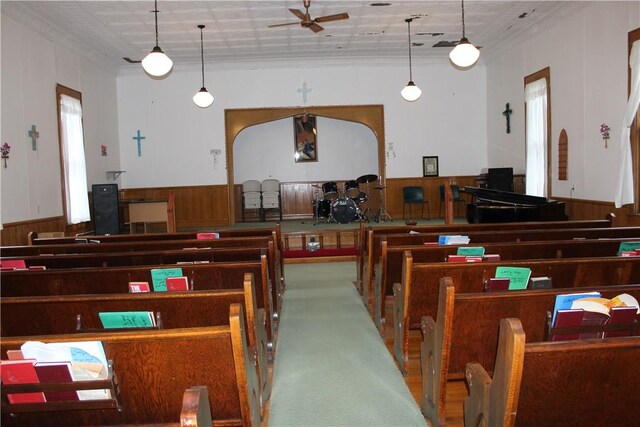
x=502, y=390
x=196, y=411
x=434, y=356
x=401, y=295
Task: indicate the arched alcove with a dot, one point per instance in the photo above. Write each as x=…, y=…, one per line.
x=236, y=120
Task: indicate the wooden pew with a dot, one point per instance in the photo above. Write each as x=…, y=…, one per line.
x=115, y=280
x=67, y=314
x=196, y=411
x=154, y=367
x=274, y=259
x=366, y=234
x=389, y=270
x=583, y=382
x=481, y=237
x=417, y=295
x=466, y=329
x=34, y=239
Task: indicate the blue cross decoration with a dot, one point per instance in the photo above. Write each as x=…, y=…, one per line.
x=139, y=138
x=304, y=90
x=34, y=135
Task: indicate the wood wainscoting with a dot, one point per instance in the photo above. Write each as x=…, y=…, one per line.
x=195, y=206
x=15, y=233
x=579, y=209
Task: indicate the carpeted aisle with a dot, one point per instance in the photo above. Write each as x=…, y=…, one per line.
x=332, y=367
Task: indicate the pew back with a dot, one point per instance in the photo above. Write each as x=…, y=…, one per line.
x=153, y=368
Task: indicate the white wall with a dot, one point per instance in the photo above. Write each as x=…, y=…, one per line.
x=447, y=121
x=586, y=50
x=346, y=151
x=32, y=65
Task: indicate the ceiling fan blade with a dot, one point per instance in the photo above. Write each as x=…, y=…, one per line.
x=336, y=17
x=298, y=13
x=283, y=25
x=315, y=28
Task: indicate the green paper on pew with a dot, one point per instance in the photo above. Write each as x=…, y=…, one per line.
x=518, y=276
x=628, y=247
x=471, y=251
x=159, y=277
x=126, y=319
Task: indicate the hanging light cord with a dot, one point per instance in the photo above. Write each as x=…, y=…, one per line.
x=463, y=32
x=156, y=15
x=202, y=52
x=409, y=32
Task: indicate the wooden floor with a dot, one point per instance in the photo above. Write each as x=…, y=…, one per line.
x=456, y=390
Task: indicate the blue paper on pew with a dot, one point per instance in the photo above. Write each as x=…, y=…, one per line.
x=565, y=301
x=159, y=277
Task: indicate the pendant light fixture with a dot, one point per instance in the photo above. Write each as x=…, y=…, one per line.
x=156, y=62
x=464, y=54
x=202, y=98
x=411, y=92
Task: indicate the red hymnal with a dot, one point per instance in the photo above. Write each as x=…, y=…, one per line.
x=37, y=267
x=621, y=316
x=567, y=318
x=15, y=263
x=456, y=258
x=136, y=287
x=473, y=259
x=177, y=284
x=491, y=257
x=56, y=372
x=204, y=236
x=20, y=372
x=498, y=284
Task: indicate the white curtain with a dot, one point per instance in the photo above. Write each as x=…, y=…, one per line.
x=75, y=169
x=536, y=100
x=624, y=186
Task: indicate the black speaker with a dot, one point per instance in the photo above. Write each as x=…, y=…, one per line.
x=500, y=179
x=106, y=219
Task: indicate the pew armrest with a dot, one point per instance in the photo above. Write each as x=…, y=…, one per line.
x=476, y=405
x=196, y=411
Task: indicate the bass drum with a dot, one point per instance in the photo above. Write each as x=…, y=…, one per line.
x=344, y=210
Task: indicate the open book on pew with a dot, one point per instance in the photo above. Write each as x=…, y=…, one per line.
x=67, y=375
x=588, y=315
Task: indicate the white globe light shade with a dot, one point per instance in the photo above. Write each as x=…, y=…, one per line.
x=157, y=63
x=203, y=99
x=411, y=92
x=464, y=54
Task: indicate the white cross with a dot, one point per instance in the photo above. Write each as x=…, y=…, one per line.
x=304, y=90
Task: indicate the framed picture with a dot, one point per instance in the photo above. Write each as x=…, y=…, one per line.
x=430, y=166
x=305, y=136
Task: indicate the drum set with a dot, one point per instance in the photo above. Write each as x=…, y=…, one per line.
x=342, y=205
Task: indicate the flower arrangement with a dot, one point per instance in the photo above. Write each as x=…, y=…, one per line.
x=6, y=149
x=604, y=131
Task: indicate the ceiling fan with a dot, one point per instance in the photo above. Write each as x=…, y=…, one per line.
x=307, y=22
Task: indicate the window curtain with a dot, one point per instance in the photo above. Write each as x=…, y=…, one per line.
x=536, y=101
x=624, y=186
x=75, y=169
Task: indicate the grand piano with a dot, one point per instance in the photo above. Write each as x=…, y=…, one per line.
x=490, y=205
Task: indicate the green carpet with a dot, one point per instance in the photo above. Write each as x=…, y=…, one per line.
x=331, y=365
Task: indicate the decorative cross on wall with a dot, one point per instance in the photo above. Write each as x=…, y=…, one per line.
x=507, y=113
x=304, y=90
x=34, y=135
x=139, y=139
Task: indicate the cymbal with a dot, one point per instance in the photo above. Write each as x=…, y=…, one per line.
x=367, y=178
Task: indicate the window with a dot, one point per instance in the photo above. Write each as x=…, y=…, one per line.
x=537, y=133
x=74, y=169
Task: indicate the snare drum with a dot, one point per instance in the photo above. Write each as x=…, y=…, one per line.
x=330, y=190
x=351, y=189
x=344, y=210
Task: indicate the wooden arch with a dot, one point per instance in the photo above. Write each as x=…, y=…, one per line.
x=236, y=120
